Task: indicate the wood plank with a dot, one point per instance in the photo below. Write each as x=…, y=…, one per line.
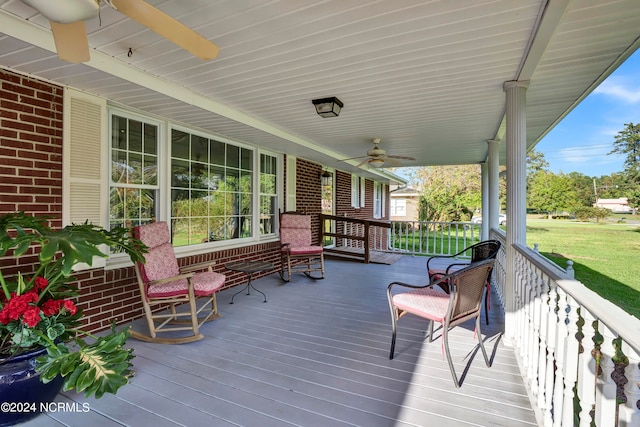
x=317, y=354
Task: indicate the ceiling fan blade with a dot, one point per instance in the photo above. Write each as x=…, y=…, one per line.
x=169, y=28
x=363, y=162
x=352, y=158
x=71, y=41
x=401, y=157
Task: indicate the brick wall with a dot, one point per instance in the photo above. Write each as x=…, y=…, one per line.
x=30, y=146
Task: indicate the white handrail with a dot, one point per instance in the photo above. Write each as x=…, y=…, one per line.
x=569, y=338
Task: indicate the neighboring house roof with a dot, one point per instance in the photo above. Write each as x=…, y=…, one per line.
x=618, y=201
x=404, y=192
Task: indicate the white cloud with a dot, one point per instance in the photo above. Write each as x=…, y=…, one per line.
x=620, y=89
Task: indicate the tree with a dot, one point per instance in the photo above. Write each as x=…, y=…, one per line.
x=627, y=142
x=583, y=187
x=536, y=162
x=448, y=193
x=552, y=193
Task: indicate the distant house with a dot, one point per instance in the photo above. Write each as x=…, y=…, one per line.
x=404, y=204
x=619, y=205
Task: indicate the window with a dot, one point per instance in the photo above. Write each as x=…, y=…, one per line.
x=398, y=207
x=133, y=191
x=268, y=193
x=378, y=200
x=211, y=189
x=206, y=189
x=357, y=191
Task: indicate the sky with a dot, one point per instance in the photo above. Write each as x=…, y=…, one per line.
x=581, y=141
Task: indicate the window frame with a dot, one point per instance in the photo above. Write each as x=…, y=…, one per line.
x=160, y=154
x=163, y=192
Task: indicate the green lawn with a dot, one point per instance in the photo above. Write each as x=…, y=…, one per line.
x=606, y=256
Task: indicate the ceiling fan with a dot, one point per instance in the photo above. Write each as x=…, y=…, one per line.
x=377, y=157
x=69, y=33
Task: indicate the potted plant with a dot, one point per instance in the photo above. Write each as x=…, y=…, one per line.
x=38, y=309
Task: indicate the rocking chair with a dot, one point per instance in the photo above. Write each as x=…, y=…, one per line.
x=164, y=285
x=298, y=255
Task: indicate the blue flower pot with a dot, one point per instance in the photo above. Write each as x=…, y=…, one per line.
x=22, y=395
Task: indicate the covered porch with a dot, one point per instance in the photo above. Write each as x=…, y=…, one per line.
x=316, y=354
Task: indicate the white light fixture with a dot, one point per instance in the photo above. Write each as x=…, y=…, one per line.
x=66, y=11
x=376, y=163
x=328, y=107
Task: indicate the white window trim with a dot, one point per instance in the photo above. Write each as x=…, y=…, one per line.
x=165, y=128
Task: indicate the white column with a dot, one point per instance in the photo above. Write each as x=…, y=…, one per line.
x=494, y=183
x=484, y=174
x=516, y=137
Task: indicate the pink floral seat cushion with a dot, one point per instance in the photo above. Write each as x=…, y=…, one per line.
x=204, y=284
x=161, y=263
x=425, y=302
x=303, y=250
x=296, y=230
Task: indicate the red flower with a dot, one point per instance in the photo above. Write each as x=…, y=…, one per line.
x=31, y=316
x=41, y=283
x=18, y=304
x=52, y=306
x=70, y=307
x=4, y=317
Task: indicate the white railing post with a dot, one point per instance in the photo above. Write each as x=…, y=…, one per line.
x=605, y=386
x=571, y=362
x=630, y=411
x=562, y=335
x=570, y=271
x=539, y=343
x=586, y=369
x=551, y=327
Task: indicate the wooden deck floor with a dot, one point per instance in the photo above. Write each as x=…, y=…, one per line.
x=316, y=354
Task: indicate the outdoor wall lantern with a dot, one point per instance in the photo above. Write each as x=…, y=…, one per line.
x=328, y=107
x=325, y=177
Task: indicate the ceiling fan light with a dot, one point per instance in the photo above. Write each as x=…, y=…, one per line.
x=66, y=11
x=376, y=163
x=328, y=107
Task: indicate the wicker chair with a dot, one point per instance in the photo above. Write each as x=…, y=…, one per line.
x=298, y=254
x=462, y=303
x=440, y=266
x=163, y=284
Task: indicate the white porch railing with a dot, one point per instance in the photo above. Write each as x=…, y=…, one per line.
x=432, y=238
x=579, y=353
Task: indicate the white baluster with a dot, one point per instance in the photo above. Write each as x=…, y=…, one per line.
x=630, y=411
x=551, y=325
x=539, y=345
x=605, y=386
x=562, y=333
x=586, y=369
x=571, y=362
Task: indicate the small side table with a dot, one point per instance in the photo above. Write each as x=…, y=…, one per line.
x=249, y=267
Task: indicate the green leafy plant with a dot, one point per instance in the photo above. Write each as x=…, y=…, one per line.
x=38, y=308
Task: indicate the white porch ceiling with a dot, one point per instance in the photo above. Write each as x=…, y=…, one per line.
x=424, y=76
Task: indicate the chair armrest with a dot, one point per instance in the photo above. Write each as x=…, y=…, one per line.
x=171, y=279
x=409, y=285
x=464, y=264
x=441, y=257
x=198, y=266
